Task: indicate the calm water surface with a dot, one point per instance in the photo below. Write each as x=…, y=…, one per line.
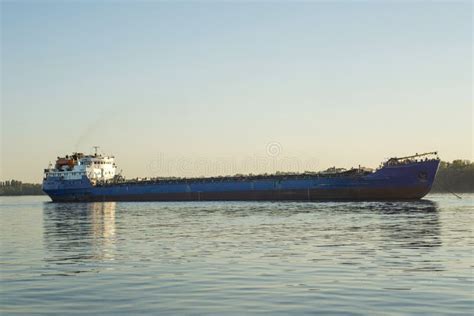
x=237, y=257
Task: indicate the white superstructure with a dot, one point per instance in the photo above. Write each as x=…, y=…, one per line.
x=96, y=167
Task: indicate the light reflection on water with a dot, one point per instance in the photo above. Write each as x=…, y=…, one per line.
x=79, y=232
x=217, y=257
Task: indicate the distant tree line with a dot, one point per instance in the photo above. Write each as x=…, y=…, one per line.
x=456, y=176
x=14, y=187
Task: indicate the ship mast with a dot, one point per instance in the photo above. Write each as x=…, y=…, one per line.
x=95, y=149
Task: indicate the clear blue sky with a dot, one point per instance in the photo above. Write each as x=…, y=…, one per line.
x=172, y=87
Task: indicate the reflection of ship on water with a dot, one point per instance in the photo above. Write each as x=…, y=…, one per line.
x=408, y=234
x=79, y=232
x=408, y=225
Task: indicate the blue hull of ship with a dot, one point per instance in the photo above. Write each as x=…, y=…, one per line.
x=401, y=182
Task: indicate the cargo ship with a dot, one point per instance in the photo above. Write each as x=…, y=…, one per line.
x=94, y=177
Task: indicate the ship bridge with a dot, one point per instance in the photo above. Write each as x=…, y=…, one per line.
x=95, y=167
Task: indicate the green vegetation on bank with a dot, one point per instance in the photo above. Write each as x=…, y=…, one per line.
x=15, y=187
x=456, y=176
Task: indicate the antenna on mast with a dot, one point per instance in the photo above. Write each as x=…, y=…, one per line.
x=95, y=149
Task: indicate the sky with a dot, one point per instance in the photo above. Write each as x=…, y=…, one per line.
x=216, y=88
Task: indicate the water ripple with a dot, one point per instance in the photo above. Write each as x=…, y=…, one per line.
x=237, y=257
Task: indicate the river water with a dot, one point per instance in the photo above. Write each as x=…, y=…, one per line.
x=237, y=257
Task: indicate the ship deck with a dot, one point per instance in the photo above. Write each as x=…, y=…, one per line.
x=271, y=177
